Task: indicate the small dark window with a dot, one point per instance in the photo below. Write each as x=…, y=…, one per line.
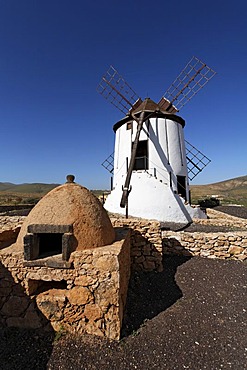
x=129, y=126
x=141, y=161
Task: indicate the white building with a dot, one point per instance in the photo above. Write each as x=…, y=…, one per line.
x=159, y=181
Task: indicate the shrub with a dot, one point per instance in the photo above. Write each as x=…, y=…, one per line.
x=209, y=202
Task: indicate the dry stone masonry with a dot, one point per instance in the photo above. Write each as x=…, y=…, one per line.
x=68, y=269
x=88, y=297
x=146, y=243
x=212, y=245
x=149, y=242
x=9, y=229
x=227, y=245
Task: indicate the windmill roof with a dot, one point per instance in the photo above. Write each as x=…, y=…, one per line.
x=148, y=106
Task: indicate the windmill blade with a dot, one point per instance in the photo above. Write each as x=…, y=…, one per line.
x=193, y=78
x=117, y=91
x=108, y=163
x=196, y=160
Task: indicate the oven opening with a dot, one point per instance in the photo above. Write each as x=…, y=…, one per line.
x=49, y=244
x=36, y=287
x=42, y=240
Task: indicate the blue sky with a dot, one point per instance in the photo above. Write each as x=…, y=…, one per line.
x=53, y=54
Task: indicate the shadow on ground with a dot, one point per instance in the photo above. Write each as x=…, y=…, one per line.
x=24, y=349
x=26, y=336
x=151, y=293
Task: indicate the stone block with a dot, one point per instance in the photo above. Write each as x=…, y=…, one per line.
x=30, y=321
x=235, y=250
x=106, y=263
x=85, y=280
x=15, y=306
x=232, y=238
x=242, y=257
x=49, y=229
x=140, y=259
x=93, y=312
x=149, y=265
x=79, y=296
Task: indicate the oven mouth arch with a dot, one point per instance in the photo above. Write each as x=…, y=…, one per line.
x=43, y=240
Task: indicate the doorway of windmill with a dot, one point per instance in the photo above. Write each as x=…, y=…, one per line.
x=181, y=186
x=141, y=159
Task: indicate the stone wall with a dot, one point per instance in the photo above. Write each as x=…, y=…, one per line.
x=217, y=218
x=149, y=242
x=211, y=245
x=87, y=297
x=16, y=208
x=146, y=243
x=227, y=245
x=9, y=229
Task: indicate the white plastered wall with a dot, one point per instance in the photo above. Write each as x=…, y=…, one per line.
x=152, y=197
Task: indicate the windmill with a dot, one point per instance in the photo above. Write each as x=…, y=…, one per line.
x=152, y=160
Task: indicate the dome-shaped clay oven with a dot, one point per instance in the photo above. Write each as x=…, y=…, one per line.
x=70, y=211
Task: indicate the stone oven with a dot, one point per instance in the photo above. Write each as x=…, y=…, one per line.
x=73, y=266
x=69, y=218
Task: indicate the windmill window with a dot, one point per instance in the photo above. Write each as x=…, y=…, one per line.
x=141, y=160
x=129, y=126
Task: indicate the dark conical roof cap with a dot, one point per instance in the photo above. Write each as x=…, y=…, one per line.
x=148, y=105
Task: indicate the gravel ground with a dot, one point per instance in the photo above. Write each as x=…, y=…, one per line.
x=190, y=316
x=236, y=211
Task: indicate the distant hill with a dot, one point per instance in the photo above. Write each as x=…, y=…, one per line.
x=233, y=191
x=13, y=194
x=5, y=186
x=27, y=188
x=18, y=194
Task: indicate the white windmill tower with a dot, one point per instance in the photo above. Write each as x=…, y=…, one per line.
x=152, y=161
